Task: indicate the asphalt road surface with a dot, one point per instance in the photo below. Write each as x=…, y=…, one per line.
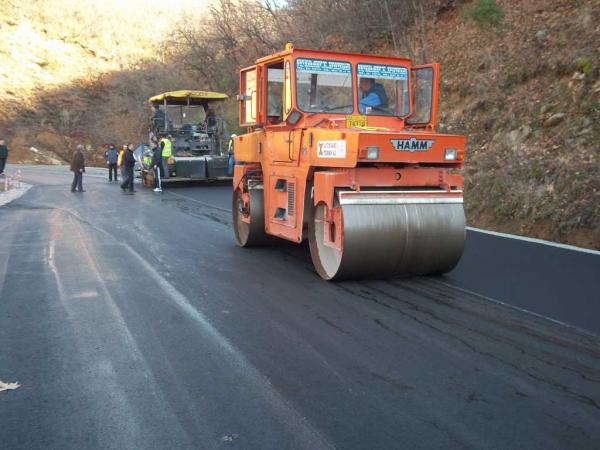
x=134, y=322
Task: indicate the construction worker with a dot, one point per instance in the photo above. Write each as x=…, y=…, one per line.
x=157, y=164
x=160, y=119
x=373, y=96
x=166, y=150
x=78, y=168
x=147, y=159
x=231, y=160
x=3, y=156
x=112, y=158
x=128, y=163
x=121, y=160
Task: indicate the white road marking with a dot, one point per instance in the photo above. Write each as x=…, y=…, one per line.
x=536, y=241
x=85, y=294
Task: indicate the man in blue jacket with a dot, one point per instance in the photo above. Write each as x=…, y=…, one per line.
x=372, y=97
x=112, y=157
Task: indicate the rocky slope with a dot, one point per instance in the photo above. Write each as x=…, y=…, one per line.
x=527, y=94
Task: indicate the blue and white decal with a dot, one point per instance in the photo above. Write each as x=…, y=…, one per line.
x=323, y=66
x=412, y=145
x=382, y=72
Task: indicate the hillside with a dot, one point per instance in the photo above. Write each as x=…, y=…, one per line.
x=80, y=71
x=522, y=85
x=527, y=95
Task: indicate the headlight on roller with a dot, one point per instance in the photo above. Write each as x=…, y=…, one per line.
x=450, y=154
x=372, y=152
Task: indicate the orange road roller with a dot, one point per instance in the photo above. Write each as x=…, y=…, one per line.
x=341, y=149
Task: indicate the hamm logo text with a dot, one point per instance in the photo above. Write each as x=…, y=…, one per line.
x=412, y=145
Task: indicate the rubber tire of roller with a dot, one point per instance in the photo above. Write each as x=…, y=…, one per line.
x=252, y=234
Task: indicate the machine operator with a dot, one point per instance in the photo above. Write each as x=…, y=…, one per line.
x=373, y=96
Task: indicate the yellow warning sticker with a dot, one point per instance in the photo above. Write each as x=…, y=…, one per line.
x=356, y=120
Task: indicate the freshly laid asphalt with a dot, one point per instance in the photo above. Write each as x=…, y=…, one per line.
x=133, y=321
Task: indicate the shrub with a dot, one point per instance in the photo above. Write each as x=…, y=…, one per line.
x=584, y=66
x=486, y=12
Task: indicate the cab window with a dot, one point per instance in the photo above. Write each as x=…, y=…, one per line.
x=383, y=90
x=275, y=93
x=324, y=86
x=249, y=97
x=288, y=88
x=423, y=95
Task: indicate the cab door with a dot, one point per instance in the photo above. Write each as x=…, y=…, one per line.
x=279, y=135
x=249, y=97
x=425, y=92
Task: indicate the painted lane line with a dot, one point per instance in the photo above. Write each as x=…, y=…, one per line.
x=536, y=241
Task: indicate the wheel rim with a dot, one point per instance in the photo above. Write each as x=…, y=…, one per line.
x=241, y=228
x=326, y=259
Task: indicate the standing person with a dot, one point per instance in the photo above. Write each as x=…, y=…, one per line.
x=3, y=156
x=129, y=163
x=157, y=163
x=231, y=160
x=112, y=158
x=166, y=149
x=121, y=160
x=78, y=168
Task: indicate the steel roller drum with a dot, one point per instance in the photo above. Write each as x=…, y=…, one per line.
x=403, y=237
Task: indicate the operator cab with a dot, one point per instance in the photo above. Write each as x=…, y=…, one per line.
x=304, y=88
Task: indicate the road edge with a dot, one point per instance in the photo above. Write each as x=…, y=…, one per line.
x=13, y=194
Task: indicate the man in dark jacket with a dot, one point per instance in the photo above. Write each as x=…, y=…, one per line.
x=157, y=163
x=78, y=168
x=3, y=156
x=129, y=163
x=112, y=157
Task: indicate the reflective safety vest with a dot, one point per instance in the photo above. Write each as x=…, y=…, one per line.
x=167, y=150
x=120, y=158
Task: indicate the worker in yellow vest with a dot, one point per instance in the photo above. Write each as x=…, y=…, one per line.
x=166, y=149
